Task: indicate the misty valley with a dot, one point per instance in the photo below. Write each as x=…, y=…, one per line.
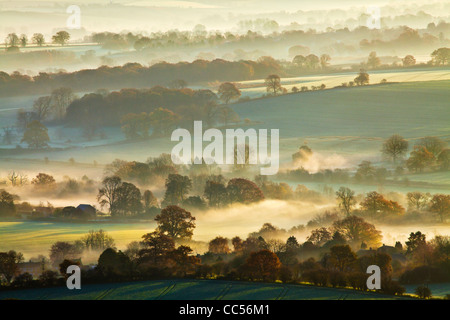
x=203, y=150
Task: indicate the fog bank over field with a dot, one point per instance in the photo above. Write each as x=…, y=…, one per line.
x=157, y=15
x=242, y=219
x=34, y=238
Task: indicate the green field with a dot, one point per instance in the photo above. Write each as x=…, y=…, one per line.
x=355, y=115
x=332, y=80
x=351, y=123
x=33, y=238
x=348, y=124
x=185, y=289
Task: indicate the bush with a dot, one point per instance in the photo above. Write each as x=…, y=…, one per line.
x=23, y=280
x=337, y=279
x=424, y=274
x=392, y=287
x=357, y=280
x=286, y=274
x=423, y=292
x=317, y=277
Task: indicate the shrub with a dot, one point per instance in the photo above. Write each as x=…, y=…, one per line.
x=423, y=292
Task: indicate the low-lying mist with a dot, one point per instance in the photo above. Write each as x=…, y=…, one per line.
x=240, y=220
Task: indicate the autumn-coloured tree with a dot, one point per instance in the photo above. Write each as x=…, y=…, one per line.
x=182, y=261
x=319, y=236
x=244, y=191
x=433, y=145
x=440, y=204
x=419, y=159
x=219, y=245
x=149, y=200
x=263, y=265
x=375, y=204
x=238, y=244
x=342, y=258
x=228, y=91
x=135, y=171
x=444, y=159
x=176, y=222
x=135, y=125
x=356, y=230
x=380, y=259
x=156, y=246
x=163, y=121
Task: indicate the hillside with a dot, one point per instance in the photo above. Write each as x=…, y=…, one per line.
x=204, y=290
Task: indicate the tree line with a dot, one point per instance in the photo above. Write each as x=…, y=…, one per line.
x=335, y=256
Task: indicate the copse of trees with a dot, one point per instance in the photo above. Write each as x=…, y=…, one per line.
x=143, y=109
x=428, y=153
x=441, y=56
x=237, y=190
x=46, y=108
x=376, y=206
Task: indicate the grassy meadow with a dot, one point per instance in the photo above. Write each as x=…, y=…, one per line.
x=204, y=290
x=343, y=126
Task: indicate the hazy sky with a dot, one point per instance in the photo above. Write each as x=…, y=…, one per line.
x=159, y=15
x=233, y=5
